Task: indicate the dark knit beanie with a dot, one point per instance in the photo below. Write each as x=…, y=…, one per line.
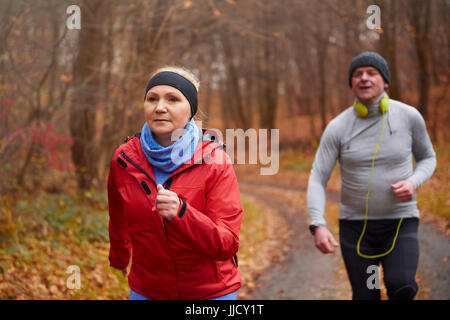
x=369, y=59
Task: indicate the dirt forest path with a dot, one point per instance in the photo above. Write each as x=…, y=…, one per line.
x=305, y=273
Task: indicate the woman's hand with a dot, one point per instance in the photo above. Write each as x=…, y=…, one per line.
x=167, y=203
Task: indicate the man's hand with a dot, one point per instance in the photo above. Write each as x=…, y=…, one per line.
x=167, y=203
x=403, y=190
x=324, y=240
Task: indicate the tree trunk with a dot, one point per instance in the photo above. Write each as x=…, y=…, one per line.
x=268, y=77
x=234, y=95
x=388, y=44
x=322, y=53
x=422, y=9
x=86, y=94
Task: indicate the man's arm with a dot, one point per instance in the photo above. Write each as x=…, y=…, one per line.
x=423, y=151
x=323, y=165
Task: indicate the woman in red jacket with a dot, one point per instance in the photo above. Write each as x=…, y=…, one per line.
x=174, y=201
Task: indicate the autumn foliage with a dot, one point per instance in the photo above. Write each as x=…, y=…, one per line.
x=68, y=98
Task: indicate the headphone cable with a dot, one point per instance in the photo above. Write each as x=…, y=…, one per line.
x=367, y=204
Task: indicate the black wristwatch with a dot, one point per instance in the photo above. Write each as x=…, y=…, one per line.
x=312, y=228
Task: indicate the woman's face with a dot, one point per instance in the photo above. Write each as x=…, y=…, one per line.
x=166, y=109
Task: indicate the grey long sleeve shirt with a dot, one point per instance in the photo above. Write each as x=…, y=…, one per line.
x=352, y=140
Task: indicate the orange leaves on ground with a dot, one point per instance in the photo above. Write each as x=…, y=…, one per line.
x=57, y=232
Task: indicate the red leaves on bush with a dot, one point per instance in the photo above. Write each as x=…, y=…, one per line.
x=53, y=147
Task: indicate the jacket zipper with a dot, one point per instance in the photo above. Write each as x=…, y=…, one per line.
x=138, y=167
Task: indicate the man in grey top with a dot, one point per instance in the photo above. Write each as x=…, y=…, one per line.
x=374, y=141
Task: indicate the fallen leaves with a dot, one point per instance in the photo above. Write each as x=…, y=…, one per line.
x=55, y=236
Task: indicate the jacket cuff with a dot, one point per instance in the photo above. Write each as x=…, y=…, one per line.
x=117, y=263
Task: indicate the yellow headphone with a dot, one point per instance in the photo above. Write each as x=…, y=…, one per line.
x=362, y=111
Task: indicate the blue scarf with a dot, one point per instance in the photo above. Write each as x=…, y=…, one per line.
x=166, y=159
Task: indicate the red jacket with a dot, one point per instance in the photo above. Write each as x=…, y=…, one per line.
x=194, y=255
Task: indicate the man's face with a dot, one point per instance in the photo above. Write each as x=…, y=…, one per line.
x=367, y=84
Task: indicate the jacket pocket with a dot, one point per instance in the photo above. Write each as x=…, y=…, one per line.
x=235, y=261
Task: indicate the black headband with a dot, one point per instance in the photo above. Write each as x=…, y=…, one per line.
x=177, y=81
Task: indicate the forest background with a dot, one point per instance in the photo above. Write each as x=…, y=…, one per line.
x=69, y=96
